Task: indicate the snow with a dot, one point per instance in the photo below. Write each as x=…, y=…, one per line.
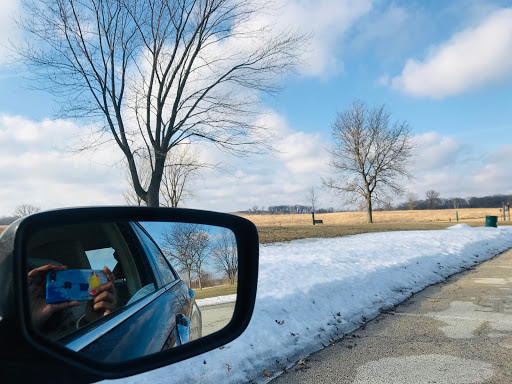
x=312, y=290
x=216, y=300
x=460, y=226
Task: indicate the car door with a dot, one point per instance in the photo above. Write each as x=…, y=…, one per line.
x=144, y=321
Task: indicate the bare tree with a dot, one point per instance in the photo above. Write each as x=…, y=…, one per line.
x=182, y=167
x=25, y=210
x=432, y=199
x=369, y=154
x=187, y=246
x=225, y=255
x=156, y=73
x=412, y=201
x=201, y=249
x=311, y=198
x=129, y=195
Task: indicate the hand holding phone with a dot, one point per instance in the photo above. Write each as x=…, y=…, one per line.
x=73, y=284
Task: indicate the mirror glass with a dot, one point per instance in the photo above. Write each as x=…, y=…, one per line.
x=116, y=291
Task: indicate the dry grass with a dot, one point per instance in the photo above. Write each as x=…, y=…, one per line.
x=343, y=218
x=2, y=228
x=219, y=290
x=275, y=228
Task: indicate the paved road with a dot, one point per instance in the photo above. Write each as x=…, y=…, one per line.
x=216, y=317
x=458, y=331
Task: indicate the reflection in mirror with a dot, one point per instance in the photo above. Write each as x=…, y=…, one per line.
x=116, y=291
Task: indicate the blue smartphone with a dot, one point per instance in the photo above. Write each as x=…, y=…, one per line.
x=73, y=284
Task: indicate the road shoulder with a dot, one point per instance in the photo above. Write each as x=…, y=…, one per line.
x=457, y=331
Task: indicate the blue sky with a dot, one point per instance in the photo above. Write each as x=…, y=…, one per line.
x=445, y=67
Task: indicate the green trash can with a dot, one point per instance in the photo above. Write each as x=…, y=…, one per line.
x=491, y=221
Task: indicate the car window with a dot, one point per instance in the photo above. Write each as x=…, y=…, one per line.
x=166, y=273
x=85, y=250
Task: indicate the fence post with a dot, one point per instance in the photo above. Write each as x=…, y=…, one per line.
x=313, y=214
x=457, y=215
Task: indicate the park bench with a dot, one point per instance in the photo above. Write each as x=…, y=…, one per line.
x=318, y=222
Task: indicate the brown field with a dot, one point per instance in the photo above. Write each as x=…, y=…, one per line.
x=273, y=228
x=219, y=290
x=2, y=228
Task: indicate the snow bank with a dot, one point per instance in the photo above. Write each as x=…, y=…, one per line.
x=312, y=290
x=460, y=226
x=216, y=300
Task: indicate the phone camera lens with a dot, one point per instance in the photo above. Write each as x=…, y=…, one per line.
x=53, y=277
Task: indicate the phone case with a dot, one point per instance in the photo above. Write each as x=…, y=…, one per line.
x=73, y=284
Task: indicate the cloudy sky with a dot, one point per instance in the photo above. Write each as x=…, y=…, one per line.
x=445, y=67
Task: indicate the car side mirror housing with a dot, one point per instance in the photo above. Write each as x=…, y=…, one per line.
x=102, y=293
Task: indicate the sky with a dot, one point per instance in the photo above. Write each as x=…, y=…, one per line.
x=444, y=67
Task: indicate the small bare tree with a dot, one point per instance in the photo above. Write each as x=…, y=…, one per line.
x=369, y=154
x=412, y=201
x=188, y=247
x=25, y=210
x=311, y=198
x=152, y=74
x=432, y=199
x=182, y=167
x=225, y=255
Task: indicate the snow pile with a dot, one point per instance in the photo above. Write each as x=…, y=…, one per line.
x=460, y=226
x=216, y=300
x=312, y=290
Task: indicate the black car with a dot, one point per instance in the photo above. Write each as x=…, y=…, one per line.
x=155, y=309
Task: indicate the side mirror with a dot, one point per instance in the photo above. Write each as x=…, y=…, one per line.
x=95, y=293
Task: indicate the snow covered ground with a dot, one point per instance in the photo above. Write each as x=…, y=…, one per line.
x=216, y=300
x=312, y=290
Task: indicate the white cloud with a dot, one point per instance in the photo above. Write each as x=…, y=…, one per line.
x=436, y=151
x=271, y=179
x=456, y=169
x=34, y=171
x=472, y=58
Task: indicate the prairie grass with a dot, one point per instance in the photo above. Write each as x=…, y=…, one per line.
x=2, y=228
x=276, y=228
x=343, y=218
x=219, y=290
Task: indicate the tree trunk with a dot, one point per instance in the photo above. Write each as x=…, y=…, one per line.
x=199, y=278
x=369, y=218
x=189, y=279
x=153, y=195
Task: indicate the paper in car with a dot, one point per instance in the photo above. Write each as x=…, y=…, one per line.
x=73, y=284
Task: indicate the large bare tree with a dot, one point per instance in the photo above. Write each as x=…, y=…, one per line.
x=152, y=74
x=370, y=153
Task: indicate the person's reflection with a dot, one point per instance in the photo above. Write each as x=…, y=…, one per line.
x=59, y=319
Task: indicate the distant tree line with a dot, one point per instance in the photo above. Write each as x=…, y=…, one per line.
x=434, y=201
x=286, y=209
x=20, y=211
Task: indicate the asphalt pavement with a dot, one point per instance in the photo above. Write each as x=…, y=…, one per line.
x=216, y=317
x=458, y=331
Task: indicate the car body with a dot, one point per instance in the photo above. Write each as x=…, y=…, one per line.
x=150, y=294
